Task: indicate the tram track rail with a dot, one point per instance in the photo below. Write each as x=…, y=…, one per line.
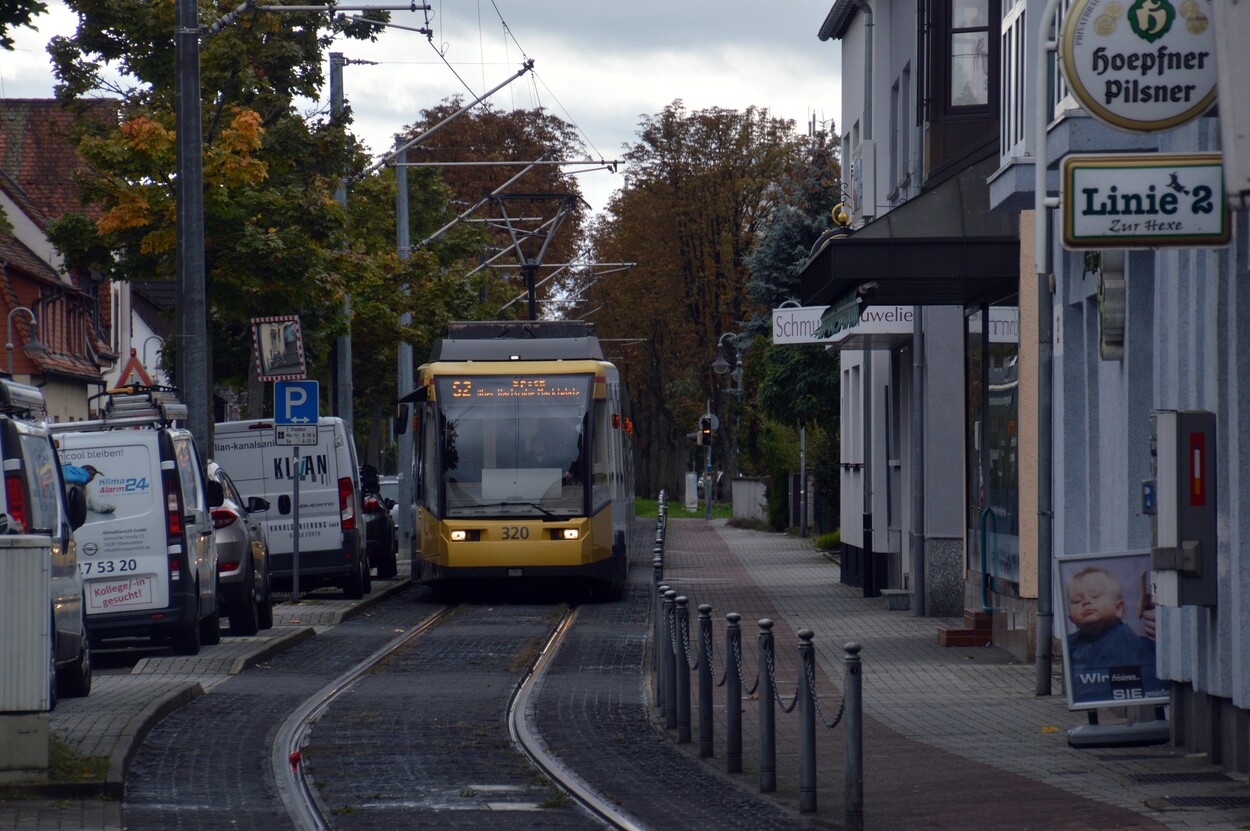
x=524, y=737
x=288, y=771
x=307, y=812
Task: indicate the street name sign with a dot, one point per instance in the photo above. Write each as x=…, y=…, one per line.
x=1140, y=65
x=1152, y=200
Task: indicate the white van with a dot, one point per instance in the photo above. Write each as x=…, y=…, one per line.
x=145, y=551
x=331, y=533
x=36, y=512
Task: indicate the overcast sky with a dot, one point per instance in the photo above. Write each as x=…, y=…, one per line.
x=598, y=65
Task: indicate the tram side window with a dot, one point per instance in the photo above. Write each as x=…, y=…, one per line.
x=601, y=480
x=430, y=463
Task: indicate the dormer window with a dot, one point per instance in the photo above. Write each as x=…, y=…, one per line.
x=969, y=53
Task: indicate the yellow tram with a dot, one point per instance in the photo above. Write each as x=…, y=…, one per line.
x=523, y=456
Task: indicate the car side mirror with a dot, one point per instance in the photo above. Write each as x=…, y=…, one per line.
x=216, y=494
x=76, y=507
x=256, y=504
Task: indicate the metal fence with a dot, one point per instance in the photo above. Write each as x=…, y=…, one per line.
x=674, y=660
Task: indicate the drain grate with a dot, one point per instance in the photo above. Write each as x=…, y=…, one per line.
x=1209, y=801
x=1178, y=778
x=1133, y=757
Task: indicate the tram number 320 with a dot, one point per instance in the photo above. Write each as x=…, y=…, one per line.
x=516, y=532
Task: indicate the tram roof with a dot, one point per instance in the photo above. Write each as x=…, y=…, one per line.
x=554, y=340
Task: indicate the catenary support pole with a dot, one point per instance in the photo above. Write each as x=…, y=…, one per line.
x=404, y=381
x=191, y=338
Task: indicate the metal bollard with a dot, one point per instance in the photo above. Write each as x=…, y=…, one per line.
x=661, y=645
x=807, y=723
x=852, y=688
x=670, y=661
x=768, y=713
x=683, y=672
x=733, y=694
x=705, y=680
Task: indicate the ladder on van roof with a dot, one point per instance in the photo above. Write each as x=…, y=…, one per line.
x=131, y=406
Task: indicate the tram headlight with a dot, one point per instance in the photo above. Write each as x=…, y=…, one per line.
x=571, y=533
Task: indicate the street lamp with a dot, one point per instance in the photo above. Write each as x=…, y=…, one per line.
x=144, y=350
x=33, y=346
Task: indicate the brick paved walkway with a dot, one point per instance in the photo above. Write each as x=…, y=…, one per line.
x=953, y=737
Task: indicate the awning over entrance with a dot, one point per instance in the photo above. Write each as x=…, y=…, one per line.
x=945, y=247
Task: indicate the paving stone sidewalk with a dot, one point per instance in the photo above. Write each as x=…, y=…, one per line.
x=953, y=737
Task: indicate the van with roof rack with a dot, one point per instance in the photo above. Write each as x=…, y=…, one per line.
x=37, y=543
x=146, y=548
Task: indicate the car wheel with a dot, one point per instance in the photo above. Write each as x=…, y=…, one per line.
x=187, y=639
x=244, y=620
x=388, y=567
x=75, y=680
x=264, y=608
x=354, y=585
x=210, y=627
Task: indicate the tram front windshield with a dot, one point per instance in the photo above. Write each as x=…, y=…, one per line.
x=512, y=445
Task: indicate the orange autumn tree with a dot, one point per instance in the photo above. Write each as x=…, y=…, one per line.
x=698, y=187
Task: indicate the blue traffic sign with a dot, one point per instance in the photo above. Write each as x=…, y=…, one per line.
x=295, y=402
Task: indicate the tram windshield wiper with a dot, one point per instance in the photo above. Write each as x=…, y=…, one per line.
x=533, y=505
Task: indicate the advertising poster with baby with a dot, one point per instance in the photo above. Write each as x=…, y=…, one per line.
x=1109, y=630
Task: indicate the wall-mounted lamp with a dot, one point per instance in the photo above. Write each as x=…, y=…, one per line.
x=33, y=346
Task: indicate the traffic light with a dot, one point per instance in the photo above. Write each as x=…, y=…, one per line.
x=705, y=430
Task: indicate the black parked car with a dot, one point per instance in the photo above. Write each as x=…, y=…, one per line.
x=380, y=532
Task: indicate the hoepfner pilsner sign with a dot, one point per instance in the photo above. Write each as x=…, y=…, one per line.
x=1141, y=65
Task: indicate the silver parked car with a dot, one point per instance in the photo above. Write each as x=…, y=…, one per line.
x=242, y=555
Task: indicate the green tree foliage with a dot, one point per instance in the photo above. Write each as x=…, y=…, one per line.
x=517, y=136
x=699, y=186
x=14, y=13
x=797, y=385
x=273, y=232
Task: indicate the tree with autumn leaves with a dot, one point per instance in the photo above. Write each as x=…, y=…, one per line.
x=702, y=190
x=276, y=241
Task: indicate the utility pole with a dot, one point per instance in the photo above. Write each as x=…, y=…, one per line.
x=406, y=456
x=343, y=377
x=191, y=334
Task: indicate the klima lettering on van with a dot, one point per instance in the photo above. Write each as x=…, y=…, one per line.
x=283, y=467
x=134, y=484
